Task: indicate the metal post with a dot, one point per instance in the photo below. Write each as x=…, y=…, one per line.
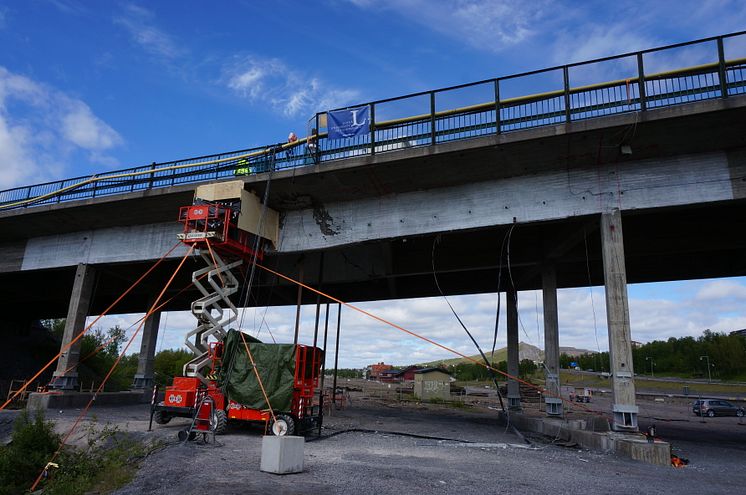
x=566, y=78
x=336, y=355
x=721, y=69
x=372, y=129
x=323, y=370
x=641, y=82
x=432, y=118
x=300, y=299
x=709, y=374
x=317, y=142
x=318, y=305
x=652, y=363
x=497, y=112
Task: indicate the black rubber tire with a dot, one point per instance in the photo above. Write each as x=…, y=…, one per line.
x=711, y=413
x=219, y=421
x=739, y=413
x=285, y=423
x=161, y=418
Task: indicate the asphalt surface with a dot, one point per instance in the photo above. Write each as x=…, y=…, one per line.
x=494, y=461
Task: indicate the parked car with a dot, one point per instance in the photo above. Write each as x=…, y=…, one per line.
x=716, y=407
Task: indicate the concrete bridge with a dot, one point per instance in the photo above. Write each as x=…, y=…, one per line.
x=638, y=179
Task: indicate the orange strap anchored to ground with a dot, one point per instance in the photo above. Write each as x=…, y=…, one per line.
x=113, y=367
x=258, y=378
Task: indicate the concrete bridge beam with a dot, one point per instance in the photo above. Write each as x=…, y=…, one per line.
x=514, y=392
x=551, y=340
x=144, y=375
x=617, y=313
x=66, y=375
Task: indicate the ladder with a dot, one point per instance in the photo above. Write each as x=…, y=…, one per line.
x=214, y=310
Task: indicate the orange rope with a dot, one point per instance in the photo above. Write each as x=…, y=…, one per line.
x=409, y=332
x=80, y=335
x=98, y=349
x=258, y=378
x=84, y=412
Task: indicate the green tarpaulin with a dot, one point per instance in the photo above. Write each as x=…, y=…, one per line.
x=275, y=364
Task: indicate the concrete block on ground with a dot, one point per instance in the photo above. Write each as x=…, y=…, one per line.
x=282, y=455
x=634, y=446
x=640, y=449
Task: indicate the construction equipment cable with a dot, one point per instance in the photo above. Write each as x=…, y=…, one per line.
x=84, y=412
x=67, y=346
x=476, y=344
x=499, y=284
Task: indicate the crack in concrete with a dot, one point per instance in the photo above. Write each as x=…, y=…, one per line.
x=324, y=220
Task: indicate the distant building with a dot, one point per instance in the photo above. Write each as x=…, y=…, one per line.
x=388, y=376
x=742, y=332
x=432, y=383
x=636, y=344
x=375, y=370
x=407, y=374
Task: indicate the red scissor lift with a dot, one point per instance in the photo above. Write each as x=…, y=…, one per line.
x=212, y=227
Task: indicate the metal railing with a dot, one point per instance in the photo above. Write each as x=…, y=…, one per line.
x=631, y=82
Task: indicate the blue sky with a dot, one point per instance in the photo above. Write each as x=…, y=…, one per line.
x=91, y=86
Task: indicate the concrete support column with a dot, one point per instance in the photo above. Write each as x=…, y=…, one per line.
x=66, y=375
x=617, y=314
x=514, y=392
x=144, y=374
x=551, y=340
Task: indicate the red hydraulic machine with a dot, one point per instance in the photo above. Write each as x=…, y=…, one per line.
x=229, y=226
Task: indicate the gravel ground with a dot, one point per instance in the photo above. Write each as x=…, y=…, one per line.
x=496, y=461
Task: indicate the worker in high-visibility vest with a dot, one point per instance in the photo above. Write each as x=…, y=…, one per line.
x=242, y=167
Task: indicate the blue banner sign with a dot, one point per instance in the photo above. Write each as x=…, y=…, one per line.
x=349, y=123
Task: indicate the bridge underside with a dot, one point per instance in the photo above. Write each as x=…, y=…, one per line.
x=660, y=245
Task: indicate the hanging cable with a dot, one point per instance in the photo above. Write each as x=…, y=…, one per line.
x=499, y=284
x=476, y=344
x=515, y=290
x=257, y=241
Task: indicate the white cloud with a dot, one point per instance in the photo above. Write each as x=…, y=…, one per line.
x=41, y=128
x=365, y=340
x=86, y=130
x=722, y=289
x=489, y=25
x=292, y=92
x=139, y=22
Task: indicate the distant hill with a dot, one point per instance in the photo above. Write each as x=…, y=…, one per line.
x=525, y=351
x=574, y=351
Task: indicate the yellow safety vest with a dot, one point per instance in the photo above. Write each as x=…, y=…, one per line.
x=243, y=168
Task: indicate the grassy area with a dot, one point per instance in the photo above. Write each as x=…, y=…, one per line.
x=107, y=461
x=649, y=385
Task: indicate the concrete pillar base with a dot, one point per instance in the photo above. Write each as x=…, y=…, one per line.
x=625, y=417
x=553, y=406
x=514, y=403
x=142, y=382
x=66, y=382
